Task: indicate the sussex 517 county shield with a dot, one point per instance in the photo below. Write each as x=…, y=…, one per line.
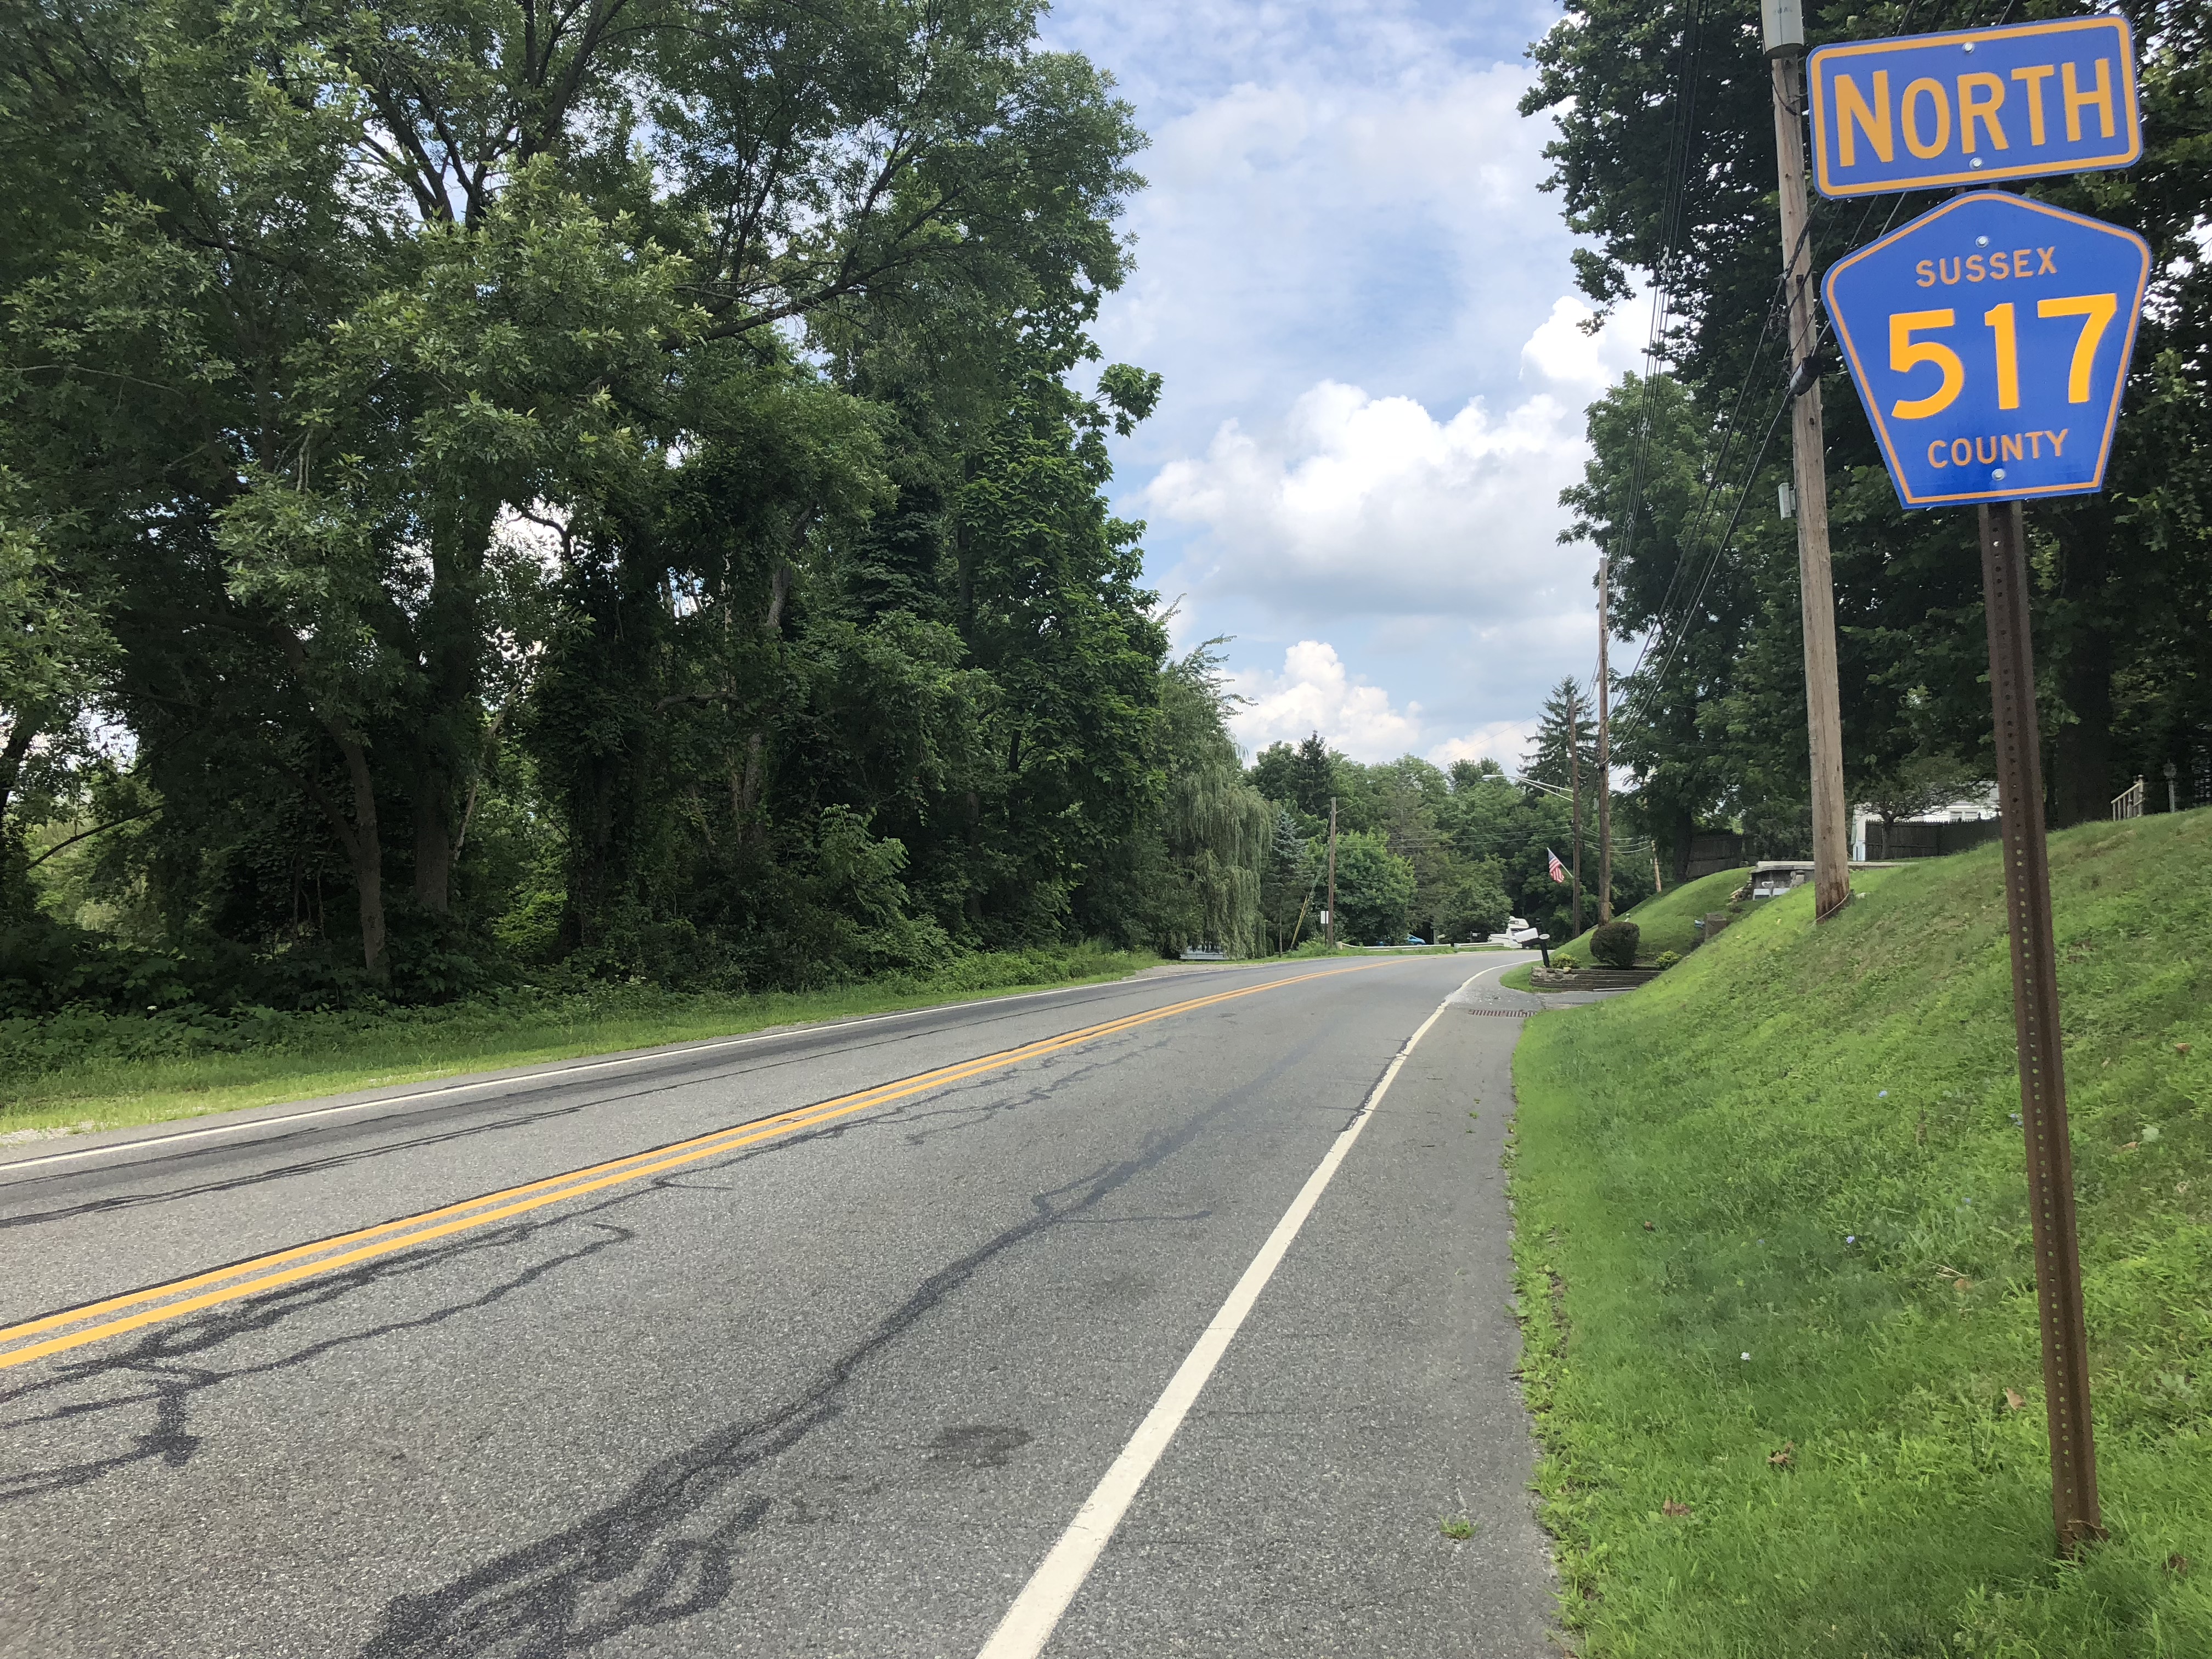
x=1989, y=340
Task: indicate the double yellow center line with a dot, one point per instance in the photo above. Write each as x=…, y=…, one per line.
x=73, y=1328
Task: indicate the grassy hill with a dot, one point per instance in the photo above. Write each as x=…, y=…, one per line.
x=1665, y=917
x=1777, y=1280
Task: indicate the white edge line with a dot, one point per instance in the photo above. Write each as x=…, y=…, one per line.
x=1036, y=1614
x=554, y=1074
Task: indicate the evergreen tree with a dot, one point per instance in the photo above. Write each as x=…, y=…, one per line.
x=1314, y=777
x=1287, y=881
x=1565, y=745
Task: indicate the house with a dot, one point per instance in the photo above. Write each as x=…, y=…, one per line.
x=1952, y=828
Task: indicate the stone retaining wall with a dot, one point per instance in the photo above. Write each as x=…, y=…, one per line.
x=1590, y=979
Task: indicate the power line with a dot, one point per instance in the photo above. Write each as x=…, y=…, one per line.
x=1728, y=430
x=1640, y=688
x=1681, y=138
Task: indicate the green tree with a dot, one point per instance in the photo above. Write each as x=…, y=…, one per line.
x=1469, y=902
x=1271, y=773
x=1664, y=159
x=1314, y=777
x=400, y=290
x=1286, y=880
x=1374, y=891
x=1214, y=828
x=52, y=646
x=1492, y=821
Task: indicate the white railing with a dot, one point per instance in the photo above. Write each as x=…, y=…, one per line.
x=2129, y=803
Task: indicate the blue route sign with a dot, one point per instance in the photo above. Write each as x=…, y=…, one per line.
x=1974, y=106
x=1989, y=340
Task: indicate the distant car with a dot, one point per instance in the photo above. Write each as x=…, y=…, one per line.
x=1410, y=939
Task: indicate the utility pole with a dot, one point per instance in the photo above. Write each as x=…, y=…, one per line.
x=1784, y=28
x=1604, y=760
x=1332, y=872
x=1575, y=789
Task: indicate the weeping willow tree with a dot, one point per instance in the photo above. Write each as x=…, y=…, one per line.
x=1214, y=826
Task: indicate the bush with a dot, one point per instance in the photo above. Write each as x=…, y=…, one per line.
x=1565, y=961
x=1614, y=944
x=1667, y=959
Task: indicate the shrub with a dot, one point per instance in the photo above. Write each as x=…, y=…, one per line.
x=1667, y=959
x=1614, y=944
x=1566, y=961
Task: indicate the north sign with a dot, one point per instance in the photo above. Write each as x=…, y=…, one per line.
x=1974, y=106
x=1989, y=340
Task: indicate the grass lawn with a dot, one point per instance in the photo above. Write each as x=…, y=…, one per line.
x=84, y=1072
x=1776, y=1279
x=1664, y=920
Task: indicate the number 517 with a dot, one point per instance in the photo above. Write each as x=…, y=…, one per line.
x=1906, y=354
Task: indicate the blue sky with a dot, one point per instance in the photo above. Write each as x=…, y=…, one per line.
x=1362, y=308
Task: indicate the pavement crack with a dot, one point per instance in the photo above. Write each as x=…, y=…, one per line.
x=612, y=1571
x=164, y=1358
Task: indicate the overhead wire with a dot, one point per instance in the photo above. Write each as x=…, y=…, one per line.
x=1680, y=137
x=1638, y=688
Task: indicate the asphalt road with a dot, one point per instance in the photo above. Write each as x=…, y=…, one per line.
x=832, y=1383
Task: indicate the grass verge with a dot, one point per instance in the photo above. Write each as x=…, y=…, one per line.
x=1775, y=1275
x=1665, y=921
x=87, y=1071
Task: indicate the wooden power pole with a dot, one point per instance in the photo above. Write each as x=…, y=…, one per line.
x=1784, y=28
x=1331, y=911
x=1574, y=789
x=1604, y=761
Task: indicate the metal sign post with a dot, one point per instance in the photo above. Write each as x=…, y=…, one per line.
x=2035, y=1023
x=1990, y=341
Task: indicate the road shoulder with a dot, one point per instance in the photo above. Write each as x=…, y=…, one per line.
x=1356, y=1477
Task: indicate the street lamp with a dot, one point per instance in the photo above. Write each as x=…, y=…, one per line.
x=2172, y=795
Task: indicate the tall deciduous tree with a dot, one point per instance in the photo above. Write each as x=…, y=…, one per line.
x=379, y=284
x=1664, y=157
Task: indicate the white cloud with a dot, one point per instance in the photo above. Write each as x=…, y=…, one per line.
x=1311, y=217
x=1564, y=351
x=1503, y=741
x=1315, y=693
x=1359, y=505
x=1347, y=276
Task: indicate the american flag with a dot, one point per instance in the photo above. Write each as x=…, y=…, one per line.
x=1559, y=870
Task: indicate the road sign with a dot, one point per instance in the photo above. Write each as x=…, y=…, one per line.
x=1990, y=340
x=1974, y=106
